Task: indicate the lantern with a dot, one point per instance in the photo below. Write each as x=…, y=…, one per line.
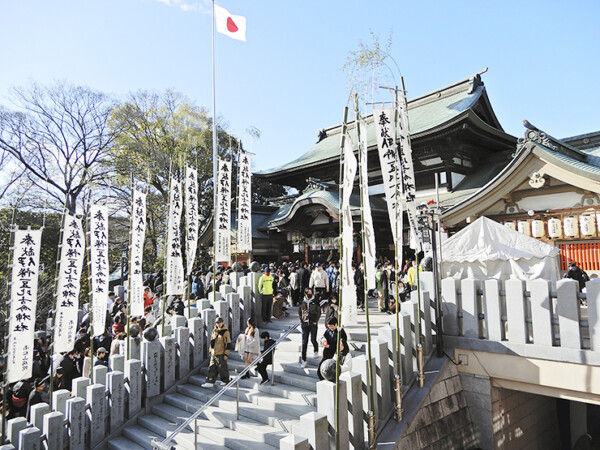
x=571, y=226
x=524, y=227
x=537, y=228
x=587, y=225
x=511, y=224
x=555, y=228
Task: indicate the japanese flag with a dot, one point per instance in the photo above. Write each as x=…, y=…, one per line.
x=229, y=25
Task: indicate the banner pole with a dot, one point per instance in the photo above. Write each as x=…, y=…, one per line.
x=341, y=254
x=362, y=220
x=399, y=238
x=6, y=330
x=130, y=271
x=89, y=264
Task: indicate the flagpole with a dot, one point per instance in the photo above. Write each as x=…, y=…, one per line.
x=214, y=136
x=399, y=237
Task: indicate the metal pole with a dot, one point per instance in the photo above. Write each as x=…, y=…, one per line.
x=421, y=365
x=438, y=277
x=371, y=429
x=237, y=400
x=398, y=389
x=215, y=153
x=272, y=367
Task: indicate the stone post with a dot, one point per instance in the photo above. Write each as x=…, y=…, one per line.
x=326, y=404
x=76, y=416
x=379, y=350
x=388, y=334
x=151, y=351
x=115, y=385
x=80, y=386
x=222, y=308
x=136, y=347
x=59, y=400
x=407, y=350
x=178, y=321
x=225, y=289
x=214, y=297
x=182, y=337
x=30, y=439
x=97, y=414
x=294, y=442
x=451, y=306
x=314, y=427
x=233, y=300
x=116, y=362
x=133, y=372
x=100, y=374
x=53, y=426
x=168, y=365
x=14, y=427
x=355, y=409
x=210, y=317
x=197, y=339
x=36, y=414
x=246, y=299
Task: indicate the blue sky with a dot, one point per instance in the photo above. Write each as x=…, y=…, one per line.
x=543, y=57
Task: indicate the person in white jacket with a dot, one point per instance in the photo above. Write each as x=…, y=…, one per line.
x=251, y=344
x=319, y=281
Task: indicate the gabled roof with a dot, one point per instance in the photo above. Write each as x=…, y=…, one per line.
x=536, y=149
x=427, y=114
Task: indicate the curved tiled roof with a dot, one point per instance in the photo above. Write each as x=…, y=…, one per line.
x=424, y=114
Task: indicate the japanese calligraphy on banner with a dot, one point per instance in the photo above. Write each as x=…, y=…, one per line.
x=244, y=236
x=390, y=170
x=223, y=212
x=348, y=301
x=136, y=273
x=23, y=304
x=174, y=276
x=69, y=284
x=99, y=266
x=369, y=250
x=408, y=172
x=191, y=216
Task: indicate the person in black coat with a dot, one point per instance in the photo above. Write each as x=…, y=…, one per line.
x=575, y=273
x=261, y=367
x=329, y=341
x=35, y=396
x=69, y=369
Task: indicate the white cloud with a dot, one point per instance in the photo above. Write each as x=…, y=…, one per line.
x=202, y=6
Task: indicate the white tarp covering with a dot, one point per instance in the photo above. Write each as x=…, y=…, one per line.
x=487, y=249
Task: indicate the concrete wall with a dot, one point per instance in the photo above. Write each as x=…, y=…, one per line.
x=523, y=420
x=477, y=390
x=443, y=420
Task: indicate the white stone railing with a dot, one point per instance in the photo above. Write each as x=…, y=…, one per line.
x=537, y=318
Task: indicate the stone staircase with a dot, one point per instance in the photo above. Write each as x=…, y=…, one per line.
x=267, y=413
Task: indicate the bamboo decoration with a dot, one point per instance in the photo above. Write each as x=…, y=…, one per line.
x=341, y=252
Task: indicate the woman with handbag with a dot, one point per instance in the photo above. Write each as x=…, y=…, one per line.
x=251, y=344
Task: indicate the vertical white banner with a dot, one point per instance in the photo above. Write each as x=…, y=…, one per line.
x=23, y=304
x=191, y=217
x=69, y=275
x=348, y=300
x=369, y=250
x=223, y=212
x=99, y=266
x=390, y=169
x=408, y=172
x=174, y=276
x=244, y=225
x=136, y=254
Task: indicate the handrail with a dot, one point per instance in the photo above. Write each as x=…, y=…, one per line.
x=163, y=445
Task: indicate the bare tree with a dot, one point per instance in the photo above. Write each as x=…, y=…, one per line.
x=10, y=173
x=59, y=136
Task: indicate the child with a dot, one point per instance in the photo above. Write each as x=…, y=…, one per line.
x=261, y=367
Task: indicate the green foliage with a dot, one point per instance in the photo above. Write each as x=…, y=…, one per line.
x=362, y=66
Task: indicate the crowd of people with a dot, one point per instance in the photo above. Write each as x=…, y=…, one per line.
x=309, y=290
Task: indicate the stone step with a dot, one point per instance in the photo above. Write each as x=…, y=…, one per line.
x=301, y=380
x=121, y=443
x=259, y=432
x=142, y=436
x=283, y=421
x=213, y=430
x=263, y=398
x=297, y=369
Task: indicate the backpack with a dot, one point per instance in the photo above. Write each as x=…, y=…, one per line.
x=314, y=312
